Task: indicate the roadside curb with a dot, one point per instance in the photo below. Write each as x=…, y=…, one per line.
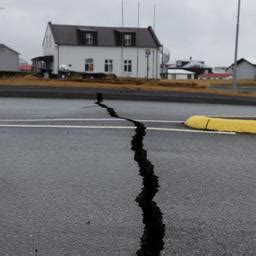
x=222, y=124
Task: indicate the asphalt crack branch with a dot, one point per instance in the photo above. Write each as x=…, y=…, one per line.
x=152, y=240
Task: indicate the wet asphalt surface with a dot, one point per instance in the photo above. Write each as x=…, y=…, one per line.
x=72, y=192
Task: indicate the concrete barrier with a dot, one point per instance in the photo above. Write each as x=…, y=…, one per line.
x=224, y=124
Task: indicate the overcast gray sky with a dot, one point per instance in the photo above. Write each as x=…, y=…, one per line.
x=202, y=29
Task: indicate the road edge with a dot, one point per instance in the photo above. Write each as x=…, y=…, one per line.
x=121, y=94
x=222, y=124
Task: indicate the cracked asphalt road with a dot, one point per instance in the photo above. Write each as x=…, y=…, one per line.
x=71, y=191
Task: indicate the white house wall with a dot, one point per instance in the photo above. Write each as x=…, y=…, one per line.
x=74, y=56
x=50, y=48
x=245, y=71
x=48, y=42
x=180, y=76
x=9, y=60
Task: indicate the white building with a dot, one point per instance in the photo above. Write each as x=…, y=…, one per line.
x=125, y=52
x=9, y=59
x=219, y=70
x=246, y=69
x=180, y=74
x=197, y=67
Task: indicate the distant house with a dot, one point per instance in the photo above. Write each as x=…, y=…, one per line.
x=219, y=70
x=9, y=59
x=24, y=66
x=125, y=52
x=246, y=69
x=198, y=67
x=180, y=74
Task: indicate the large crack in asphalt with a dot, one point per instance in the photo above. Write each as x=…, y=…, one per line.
x=152, y=240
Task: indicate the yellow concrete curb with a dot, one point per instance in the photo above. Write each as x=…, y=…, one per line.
x=221, y=124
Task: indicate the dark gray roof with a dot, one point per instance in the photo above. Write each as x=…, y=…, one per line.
x=4, y=46
x=251, y=61
x=68, y=35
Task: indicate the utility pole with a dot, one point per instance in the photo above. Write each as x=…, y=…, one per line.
x=1, y=8
x=234, y=83
x=122, y=14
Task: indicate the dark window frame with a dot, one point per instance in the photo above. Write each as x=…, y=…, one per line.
x=128, y=66
x=108, y=65
x=128, y=39
x=89, y=38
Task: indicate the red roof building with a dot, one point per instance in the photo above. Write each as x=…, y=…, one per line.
x=25, y=68
x=216, y=76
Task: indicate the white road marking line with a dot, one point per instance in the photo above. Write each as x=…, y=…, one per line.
x=190, y=131
x=110, y=127
x=87, y=119
x=243, y=117
x=65, y=126
x=161, y=121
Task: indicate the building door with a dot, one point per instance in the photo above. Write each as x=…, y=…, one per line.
x=89, y=67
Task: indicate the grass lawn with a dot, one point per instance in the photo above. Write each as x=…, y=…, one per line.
x=202, y=86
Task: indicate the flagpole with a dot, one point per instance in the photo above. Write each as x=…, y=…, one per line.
x=138, y=27
x=154, y=18
x=122, y=48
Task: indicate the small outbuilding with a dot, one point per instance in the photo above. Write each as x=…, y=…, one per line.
x=9, y=59
x=180, y=74
x=246, y=69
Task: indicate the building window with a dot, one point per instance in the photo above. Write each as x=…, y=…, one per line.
x=109, y=66
x=127, y=66
x=89, y=65
x=127, y=39
x=89, y=38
